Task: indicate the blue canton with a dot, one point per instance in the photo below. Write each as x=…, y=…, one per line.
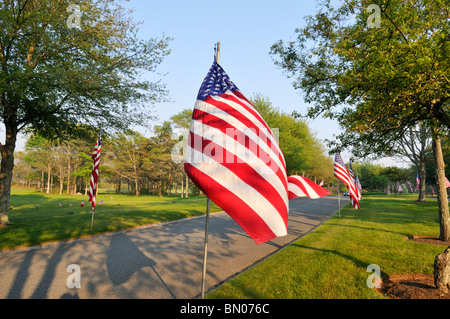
x=338, y=159
x=215, y=83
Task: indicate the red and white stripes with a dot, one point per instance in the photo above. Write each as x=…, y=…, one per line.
x=94, y=176
x=235, y=159
x=300, y=186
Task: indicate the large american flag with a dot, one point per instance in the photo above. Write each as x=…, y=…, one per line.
x=94, y=176
x=300, y=186
x=234, y=158
x=343, y=174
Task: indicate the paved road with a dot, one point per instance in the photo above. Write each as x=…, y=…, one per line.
x=162, y=261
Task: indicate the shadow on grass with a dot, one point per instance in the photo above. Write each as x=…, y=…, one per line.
x=357, y=262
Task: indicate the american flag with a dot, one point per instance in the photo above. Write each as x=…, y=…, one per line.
x=417, y=181
x=352, y=175
x=410, y=186
x=299, y=186
x=447, y=183
x=343, y=174
x=94, y=176
x=233, y=157
x=358, y=186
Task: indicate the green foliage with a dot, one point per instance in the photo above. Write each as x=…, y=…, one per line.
x=371, y=176
x=302, y=151
x=53, y=77
x=376, y=82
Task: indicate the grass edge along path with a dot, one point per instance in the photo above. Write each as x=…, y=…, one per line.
x=331, y=261
x=49, y=222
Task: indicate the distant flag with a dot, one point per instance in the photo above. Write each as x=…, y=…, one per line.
x=342, y=173
x=233, y=157
x=358, y=186
x=299, y=186
x=447, y=183
x=352, y=175
x=82, y=203
x=417, y=181
x=432, y=190
x=70, y=205
x=400, y=189
x=93, y=186
x=60, y=204
x=101, y=202
x=410, y=186
x=321, y=183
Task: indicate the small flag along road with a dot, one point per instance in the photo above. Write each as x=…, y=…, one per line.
x=162, y=261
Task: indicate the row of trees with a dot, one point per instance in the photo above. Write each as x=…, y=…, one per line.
x=127, y=158
x=146, y=164
x=58, y=81
x=376, y=178
x=379, y=83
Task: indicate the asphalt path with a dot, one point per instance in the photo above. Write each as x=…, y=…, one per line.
x=162, y=261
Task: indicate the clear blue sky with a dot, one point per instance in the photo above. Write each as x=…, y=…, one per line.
x=246, y=30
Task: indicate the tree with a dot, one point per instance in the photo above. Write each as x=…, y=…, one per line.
x=376, y=82
x=182, y=122
x=54, y=76
x=397, y=176
x=127, y=157
x=371, y=176
x=301, y=150
x=40, y=153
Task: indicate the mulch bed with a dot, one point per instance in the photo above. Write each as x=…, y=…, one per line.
x=415, y=286
x=429, y=240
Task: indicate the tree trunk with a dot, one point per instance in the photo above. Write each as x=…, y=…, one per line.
x=6, y=171
x=61, y=182
x=182, y=188
x=138, y=190
x=42, y=181
x=118, y=186
x=68, y=176
x=422, y=178
x=444, y=219
x=442, y=271
x=49, y=174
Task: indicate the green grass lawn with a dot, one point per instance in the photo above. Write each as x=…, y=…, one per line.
x=31, y=226
x=332, y=260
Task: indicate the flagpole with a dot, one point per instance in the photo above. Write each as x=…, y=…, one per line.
x=208, y=205
x=93, y=208
x=339, y=197
x=205, y=249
